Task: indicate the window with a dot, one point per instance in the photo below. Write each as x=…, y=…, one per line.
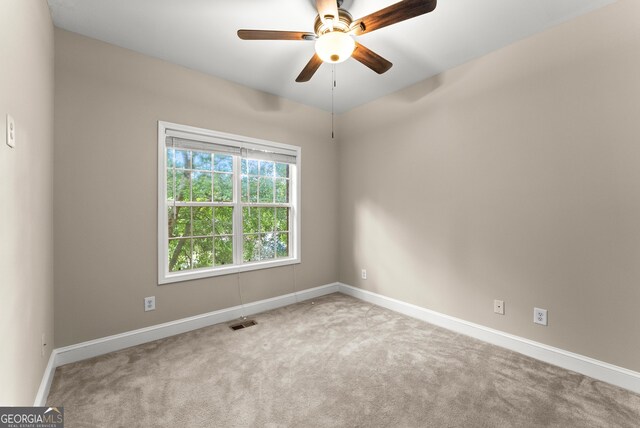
x=226, y=203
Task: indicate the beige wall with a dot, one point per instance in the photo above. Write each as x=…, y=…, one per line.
x=26, y=209
x=515, y=177
x=108, y=102
x=512, y=177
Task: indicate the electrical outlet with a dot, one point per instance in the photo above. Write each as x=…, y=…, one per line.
x=150, y=303
x=364, y=274
x=498, y=307
x=540, y=316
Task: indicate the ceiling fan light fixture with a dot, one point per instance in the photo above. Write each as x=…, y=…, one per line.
x=335, y=47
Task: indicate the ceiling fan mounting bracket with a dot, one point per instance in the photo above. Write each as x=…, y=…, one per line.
x=343, y=23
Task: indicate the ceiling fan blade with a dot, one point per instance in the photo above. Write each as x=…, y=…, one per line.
x=275, y=35
x=309, y=70
x=371, y=59
x=326, y=9
x=393, y=14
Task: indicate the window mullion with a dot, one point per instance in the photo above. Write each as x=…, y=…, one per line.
x=292, y=197
x=237, y=211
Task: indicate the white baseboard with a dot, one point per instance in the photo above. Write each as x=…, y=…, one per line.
x=596, y=369
x=600, y=370
x=104, y=345
x=47, y=378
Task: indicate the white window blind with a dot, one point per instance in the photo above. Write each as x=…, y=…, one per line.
x=200, y=142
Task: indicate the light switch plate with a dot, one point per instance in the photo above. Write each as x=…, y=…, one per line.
x=11, y=132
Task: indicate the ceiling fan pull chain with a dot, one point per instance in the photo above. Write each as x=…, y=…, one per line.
x=333, y=85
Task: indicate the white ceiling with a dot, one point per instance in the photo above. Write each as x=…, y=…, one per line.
x=201, y=34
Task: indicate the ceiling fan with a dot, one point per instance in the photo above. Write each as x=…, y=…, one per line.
x=334, y=29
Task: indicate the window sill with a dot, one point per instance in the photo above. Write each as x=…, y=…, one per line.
x=226, y=270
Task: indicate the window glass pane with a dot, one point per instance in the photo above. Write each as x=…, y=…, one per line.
x=282, y=219
x=282, y=170
x=169, y=157
x=180, y=224
x=169, y=184
x=179, y=254
x=201, y=182
x=244, y=189
x=202, y=161
x=223, y=220
x=250, y=219
x=183, y=185
x=202, y=253
x=223, y=188
x=253, y=166
x=223, y=163
x=202, y=221
x=267, y=219
x=268, y=250
x=182, y=159
x=266, y=190
x=251, y=248
x=282, y=190
x=223, y=250
x=282, y=245
x=200, y=233
x=253, y=189
x=266, y=168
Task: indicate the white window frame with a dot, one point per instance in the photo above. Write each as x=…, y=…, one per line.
x=166, y=277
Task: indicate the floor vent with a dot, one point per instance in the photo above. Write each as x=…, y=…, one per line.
x=243, y=324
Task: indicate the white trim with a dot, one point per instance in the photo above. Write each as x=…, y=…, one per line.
x=45, y=383
x=162, y=218
x=104, y=345
x=591, y=367
x=226, y=270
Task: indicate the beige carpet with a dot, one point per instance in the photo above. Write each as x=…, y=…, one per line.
x=340, y=362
